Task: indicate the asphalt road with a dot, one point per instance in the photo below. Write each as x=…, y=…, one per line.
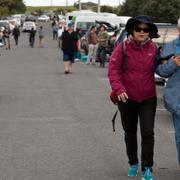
x=58, y=127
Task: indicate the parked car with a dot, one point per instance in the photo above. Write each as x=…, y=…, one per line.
x=44, y=18
x=30, y=18
x=28, y=25
x=5, y=23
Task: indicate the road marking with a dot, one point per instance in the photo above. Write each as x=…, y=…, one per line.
x=161, y=109
x=171, y=132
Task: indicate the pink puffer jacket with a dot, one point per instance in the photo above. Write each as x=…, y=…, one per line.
x=137, y=79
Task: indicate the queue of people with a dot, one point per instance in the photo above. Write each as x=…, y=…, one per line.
x=6, y=37
x=97, y=45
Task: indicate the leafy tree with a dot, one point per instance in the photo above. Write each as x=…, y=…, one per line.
x=108, y=9
x=12, y=6
x=131, y=8
x=158, y=10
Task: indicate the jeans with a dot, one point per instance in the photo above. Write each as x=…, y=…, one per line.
x=31, y=41
x=145, y=111
x=101, y=55
x=176, y=122
x=16, y=40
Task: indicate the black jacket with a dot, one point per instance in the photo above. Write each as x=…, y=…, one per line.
x=16, y=31
x=69, y=41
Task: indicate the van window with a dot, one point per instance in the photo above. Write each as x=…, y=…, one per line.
x=84, y=25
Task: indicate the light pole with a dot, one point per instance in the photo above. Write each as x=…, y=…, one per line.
x=99, y=6
x=79, y=5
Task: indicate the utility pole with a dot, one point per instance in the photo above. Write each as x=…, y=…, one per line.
x=66, y=3
x=99, y=6
x=119, y=2
x=79, y=5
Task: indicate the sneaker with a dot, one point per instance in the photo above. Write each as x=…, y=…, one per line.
x=147, y=174
x=133, y=170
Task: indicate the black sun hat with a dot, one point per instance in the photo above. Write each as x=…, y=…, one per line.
x=142, y=19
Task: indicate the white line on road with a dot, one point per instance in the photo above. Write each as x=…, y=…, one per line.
x=161, y=109
x=171, y=132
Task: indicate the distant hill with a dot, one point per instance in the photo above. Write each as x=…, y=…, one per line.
x=87, y=5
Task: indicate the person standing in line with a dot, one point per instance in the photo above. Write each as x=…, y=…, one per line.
x=60, y=31
x=41, y=36
x=69, y=40
x=102, y=40
x=16, y=34
x=77, y=56
x=134, y=84
x=171, y=70
x=32, y=34
x=6, y=36
x=55, y=30
x=1, y=38
x=92, y=41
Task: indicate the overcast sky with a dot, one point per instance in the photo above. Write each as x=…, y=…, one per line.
x=70, y=2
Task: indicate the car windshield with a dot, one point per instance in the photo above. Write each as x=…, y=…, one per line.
x=84, y=26
x=3, y=24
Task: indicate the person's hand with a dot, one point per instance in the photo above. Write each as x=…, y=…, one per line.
x=123, y=97
x=176, y=60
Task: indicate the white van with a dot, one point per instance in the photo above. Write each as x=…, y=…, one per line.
x=70, y=15
x=84, y=22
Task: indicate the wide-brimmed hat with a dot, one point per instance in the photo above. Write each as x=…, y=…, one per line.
x=142, y=19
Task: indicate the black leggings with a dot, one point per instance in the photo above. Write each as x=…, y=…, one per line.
x=145, y=111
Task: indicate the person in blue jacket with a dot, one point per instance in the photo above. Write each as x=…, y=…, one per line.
x=171, y=70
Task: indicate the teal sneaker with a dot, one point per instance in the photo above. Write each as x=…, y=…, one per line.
x=147, y=174
x=133, y=170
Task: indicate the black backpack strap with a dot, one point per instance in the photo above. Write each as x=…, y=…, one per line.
x=124, y=68
x=113, y=120
x=124, y=55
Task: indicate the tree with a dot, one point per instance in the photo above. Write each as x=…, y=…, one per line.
x=158, y=10
x=108, y=9
x=131, y=8
x=12, y=6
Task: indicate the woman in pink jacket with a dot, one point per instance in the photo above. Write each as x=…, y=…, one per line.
x=133, y=82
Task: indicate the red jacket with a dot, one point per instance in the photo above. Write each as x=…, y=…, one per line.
x=137, y=79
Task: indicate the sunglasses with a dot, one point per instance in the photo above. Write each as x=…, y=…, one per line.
x=139, y=29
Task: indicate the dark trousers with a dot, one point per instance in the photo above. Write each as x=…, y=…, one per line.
x=16, y=39
x=131, y=112
x=101, y=55
x=55, y=35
